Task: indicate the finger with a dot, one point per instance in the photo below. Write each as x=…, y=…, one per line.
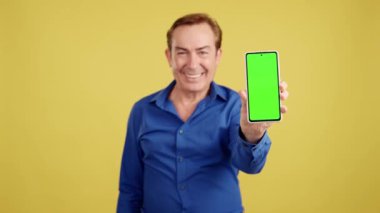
x=243, y=97
x=284, y=95
x=269, y=124
x=283, y=86
x=284, y=109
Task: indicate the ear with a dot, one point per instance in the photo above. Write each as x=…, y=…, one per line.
x=218, y=55
x=168, y=57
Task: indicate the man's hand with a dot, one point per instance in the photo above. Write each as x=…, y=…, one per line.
x=253, y=132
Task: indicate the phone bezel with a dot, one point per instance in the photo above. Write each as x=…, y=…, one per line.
x=278, y=80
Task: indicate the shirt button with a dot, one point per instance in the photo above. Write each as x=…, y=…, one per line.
x=180, y=159
x=182, y=186
x=181, y=131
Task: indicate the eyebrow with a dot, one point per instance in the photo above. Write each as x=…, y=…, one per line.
x=197, y=49
x=180, y=48
x=204, y=47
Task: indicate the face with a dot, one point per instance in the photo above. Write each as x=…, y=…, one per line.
x=193, y=57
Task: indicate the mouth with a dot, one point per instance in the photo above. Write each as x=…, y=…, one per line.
x=193, y=76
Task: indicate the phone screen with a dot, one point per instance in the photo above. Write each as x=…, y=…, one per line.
x=263, y=86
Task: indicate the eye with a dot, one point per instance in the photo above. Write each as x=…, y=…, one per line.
x=203, y=53
x=181, y=53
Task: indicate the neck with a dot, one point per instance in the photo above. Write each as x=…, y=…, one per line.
x=187, y=97
x=185, y=102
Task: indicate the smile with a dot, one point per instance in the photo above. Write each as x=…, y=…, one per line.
x=193, y=76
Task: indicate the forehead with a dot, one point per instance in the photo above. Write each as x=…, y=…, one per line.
x=193, y=36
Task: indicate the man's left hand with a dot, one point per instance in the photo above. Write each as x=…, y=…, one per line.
x=253, y=132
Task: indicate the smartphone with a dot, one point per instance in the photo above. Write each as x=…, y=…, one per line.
x=262, y=72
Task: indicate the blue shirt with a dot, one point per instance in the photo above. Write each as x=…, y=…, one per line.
x=172, y=166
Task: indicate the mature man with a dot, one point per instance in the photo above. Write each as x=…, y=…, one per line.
x=186, y=143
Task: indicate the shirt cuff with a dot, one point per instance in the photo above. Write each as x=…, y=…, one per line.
x=263, y=140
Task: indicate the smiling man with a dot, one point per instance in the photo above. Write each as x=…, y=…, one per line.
x=186, y=143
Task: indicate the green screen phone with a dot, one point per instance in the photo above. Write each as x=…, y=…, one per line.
x=262, y=71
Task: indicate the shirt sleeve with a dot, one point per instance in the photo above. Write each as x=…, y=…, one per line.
x=247, y=157
x=131, y=174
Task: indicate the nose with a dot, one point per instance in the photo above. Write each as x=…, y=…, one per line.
x=193, y=61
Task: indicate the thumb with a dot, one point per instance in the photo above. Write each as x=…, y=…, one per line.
x=243, y=97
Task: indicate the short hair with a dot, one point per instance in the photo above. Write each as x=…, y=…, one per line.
x=196, y=18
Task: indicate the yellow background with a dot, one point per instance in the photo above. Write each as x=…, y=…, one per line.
x=71, y=70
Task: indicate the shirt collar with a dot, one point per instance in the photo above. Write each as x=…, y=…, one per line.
x=217, y=91
x=163, y=95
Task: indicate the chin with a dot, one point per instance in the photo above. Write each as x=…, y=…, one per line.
x=196, y=87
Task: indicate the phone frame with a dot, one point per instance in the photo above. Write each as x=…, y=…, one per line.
x=278, y=79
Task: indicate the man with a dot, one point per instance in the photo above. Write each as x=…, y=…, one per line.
x=186, y=143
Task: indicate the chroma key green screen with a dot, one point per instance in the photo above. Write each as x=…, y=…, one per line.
x=262, y=73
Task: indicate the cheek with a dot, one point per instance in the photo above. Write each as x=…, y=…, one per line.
x=209, y=65
x=178, y=63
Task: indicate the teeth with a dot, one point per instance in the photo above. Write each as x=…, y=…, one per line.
x=193, y=75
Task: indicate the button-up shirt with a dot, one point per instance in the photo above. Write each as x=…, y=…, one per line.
x=171, y=166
